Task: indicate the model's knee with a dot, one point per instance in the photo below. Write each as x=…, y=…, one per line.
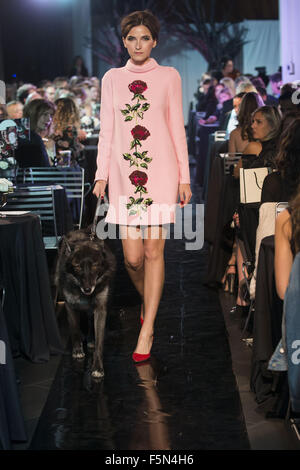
x=153, y=254
x=134, y=263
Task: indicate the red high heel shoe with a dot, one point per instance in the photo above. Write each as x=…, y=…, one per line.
x=137, y=358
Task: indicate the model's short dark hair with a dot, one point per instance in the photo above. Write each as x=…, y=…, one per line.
x=137, y=18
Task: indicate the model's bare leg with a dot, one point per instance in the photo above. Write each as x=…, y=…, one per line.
x=133, y=249
x=154, y=275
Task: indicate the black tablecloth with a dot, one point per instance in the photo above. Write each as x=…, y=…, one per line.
x=11, y=419
x=214, y=148
x=222, y=201
x=28, y=306
x=267, y=321
x=249, y=217
x=63, y=213
x=90, y=166
x=201, y=155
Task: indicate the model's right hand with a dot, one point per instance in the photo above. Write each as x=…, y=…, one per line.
x=99, y=188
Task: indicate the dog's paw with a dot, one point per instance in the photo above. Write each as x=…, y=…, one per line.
x=78, y=352
x=98, y=373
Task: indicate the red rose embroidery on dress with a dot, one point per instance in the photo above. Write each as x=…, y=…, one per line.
x=138, y=178
x=137, y=87
x=140, y=159
x=140, y=132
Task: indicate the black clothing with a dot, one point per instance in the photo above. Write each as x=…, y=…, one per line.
x=83, y=72
x=31, y=152
x=266, y=158
x=227, y=108
x=275, y=189
x=271, y=101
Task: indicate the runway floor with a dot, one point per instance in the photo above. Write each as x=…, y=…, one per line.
x=186, y=397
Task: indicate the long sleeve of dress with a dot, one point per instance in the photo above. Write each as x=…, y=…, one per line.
x=176, y=126
x=106, y=128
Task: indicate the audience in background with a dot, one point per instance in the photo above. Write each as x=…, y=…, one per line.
x=242, y=135
x=24, y=91
x=14, y=109
x=3, y=112
x=66, y=125
x=31, y=153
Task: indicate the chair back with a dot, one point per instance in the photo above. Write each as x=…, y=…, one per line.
x=220, y=136
x=280, y=206
x=230, y=160
x=39, y=200
x=72, y=179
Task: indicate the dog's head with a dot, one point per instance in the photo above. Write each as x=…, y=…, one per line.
x=86, y=266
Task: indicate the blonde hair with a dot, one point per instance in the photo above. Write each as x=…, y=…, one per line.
x=229, y=83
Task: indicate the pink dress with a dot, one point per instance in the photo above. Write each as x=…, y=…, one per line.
x=142, y=149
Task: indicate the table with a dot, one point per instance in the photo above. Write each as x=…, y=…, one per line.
x=267, y=321
x=249, y=218
x=222, y=201
x=202, y=136
x=90, y=166
x=12, y=426
x=28, y=306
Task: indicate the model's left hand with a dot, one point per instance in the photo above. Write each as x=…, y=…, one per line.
x=185, y=194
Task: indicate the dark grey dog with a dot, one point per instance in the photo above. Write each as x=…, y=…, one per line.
x=84, y=270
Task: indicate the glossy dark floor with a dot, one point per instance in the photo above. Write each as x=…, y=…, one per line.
x=186, y=397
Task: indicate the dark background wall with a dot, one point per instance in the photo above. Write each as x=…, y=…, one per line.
x=36, y=36
x=36, y=39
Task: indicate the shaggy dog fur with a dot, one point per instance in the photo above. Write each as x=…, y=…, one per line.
x=84, y=271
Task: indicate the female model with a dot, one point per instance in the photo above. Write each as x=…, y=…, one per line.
x=142, y=154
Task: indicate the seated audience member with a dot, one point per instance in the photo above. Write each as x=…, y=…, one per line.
x=265, y=128
x=245, y=87
x=242, y=135
x=50, y=93
x=35, y=95
x=94, y=101
x=201, y=95
x=286, y=104
x=287, y=244
x=229, y=121
x=229, y=83
x=24, y=91
x=266, y=122
x=210, y=107
x=82, y=102
x=15, y=109
x=282, y=185
x=66, y=125
x=269, y=100
x=32, y=152
x=276, y=84
x=61, y=82
x=3, y=112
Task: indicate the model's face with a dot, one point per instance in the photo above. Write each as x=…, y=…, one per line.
x=260, y=126
x=139, y=44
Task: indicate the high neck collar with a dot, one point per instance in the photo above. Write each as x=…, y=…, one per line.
x=149, y=65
